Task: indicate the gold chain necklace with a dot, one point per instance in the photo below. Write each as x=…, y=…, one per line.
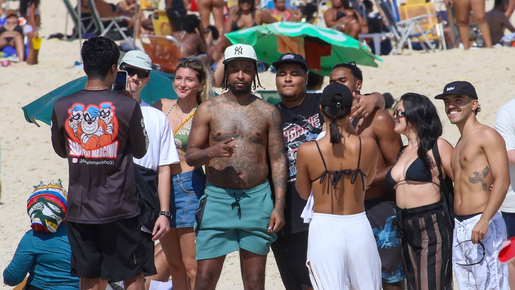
x=96, y=88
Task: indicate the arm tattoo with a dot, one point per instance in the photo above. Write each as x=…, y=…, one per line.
x=279, y=163
x=480, y=178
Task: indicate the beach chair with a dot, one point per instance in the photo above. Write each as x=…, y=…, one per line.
x=163, y=50
x=432, y=28
x=112, y=21
x=161, y=23
x=405, y=31
x=75, y=18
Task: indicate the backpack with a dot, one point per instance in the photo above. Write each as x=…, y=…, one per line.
x=146, y=190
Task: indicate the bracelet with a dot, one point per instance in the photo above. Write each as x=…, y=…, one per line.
x=280, y=199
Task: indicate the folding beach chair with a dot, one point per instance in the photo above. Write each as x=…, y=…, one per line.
x=405, y=31
x=75, y=18
x=163, y=50
x=432, y=28
x=113, y=21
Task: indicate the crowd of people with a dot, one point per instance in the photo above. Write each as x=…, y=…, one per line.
x=321, y=178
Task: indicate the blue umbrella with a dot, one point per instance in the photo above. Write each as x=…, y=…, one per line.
x=159, y=86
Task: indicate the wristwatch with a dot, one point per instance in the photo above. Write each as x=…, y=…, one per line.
x=166, y=214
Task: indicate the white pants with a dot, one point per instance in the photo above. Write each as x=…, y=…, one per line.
x=342, y=253
x=490, y=273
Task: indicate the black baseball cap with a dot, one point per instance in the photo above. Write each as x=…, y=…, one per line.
x=291, y=58
x=458, y=88
x=333, y=90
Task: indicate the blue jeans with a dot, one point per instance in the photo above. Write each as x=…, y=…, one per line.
x=187, y=189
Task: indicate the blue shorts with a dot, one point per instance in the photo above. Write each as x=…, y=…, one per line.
x=509, y=219
x=187, y=189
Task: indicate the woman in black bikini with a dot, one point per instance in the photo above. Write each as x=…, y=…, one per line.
x=342, y=250
x=345, y=18
x=424, y=220
x=11, y=34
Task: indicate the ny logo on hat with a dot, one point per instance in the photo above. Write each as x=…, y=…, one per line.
x=238, y=50
x=450, y=89
x=288, y=56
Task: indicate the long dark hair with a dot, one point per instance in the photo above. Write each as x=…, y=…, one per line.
x=309, y=10
x=334, y=114
x=422, y=114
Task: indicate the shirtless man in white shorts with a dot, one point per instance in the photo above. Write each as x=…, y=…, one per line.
x=479, y=161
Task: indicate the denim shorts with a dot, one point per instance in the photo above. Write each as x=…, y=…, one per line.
x=187, y=189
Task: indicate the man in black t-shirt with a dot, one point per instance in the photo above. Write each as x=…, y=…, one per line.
x=302, y=122
x=99, y=131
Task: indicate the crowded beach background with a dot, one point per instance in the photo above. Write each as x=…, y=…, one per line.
x=27, y=155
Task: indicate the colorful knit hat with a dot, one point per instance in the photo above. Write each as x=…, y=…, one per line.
x=47, y=207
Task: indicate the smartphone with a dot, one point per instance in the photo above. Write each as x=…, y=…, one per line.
x=120, y=83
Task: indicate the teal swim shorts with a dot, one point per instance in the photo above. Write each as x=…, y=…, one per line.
x=231, y=219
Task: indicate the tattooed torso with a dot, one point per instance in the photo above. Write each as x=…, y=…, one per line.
x=248, y=125
x=472, y=176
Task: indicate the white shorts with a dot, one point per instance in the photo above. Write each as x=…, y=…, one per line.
x=490, y=274
x=342, y=253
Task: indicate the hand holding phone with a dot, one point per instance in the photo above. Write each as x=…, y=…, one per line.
x=120, y=83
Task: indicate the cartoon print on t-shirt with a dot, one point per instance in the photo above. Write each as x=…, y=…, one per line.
x=76, y=115
x=107, y=115
x=91, y=131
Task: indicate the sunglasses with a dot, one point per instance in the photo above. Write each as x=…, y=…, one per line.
x=142, y=74
x=482, y=258
x=245, y=1
x=398, y=113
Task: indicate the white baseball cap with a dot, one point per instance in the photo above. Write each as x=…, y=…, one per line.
x=137, y=58
x=240, y=51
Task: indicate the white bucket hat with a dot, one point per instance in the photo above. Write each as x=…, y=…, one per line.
x=137, y=58
x=240, y=51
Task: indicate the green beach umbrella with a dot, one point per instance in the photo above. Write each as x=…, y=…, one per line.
x=159, y=86
x=322, y=47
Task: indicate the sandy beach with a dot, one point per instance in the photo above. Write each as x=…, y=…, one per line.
x=27, y=155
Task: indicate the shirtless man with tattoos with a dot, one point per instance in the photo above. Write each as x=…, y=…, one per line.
x=479, y=161
x=234, y=135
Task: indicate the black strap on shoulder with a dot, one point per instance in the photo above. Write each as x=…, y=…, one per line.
x=322, y=156
x=359, y=157
x=444, y=192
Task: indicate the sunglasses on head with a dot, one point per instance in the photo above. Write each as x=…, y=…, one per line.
x=142, y=74
x=482, y=257
x=245, y=1
x=398, y=113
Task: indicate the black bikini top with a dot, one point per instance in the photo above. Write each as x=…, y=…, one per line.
x=417, y=172
x=337, y=174
x=235, y=26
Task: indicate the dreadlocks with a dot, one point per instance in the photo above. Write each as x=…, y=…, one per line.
x=255, y=84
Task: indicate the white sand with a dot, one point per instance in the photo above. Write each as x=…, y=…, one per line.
x=28, y=157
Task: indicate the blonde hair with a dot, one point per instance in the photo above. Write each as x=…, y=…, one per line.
x=203, y=74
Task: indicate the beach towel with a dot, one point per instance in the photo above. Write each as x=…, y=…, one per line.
x=47, y=207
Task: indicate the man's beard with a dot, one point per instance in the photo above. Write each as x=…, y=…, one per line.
x=240, y=90
x=292, y=95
